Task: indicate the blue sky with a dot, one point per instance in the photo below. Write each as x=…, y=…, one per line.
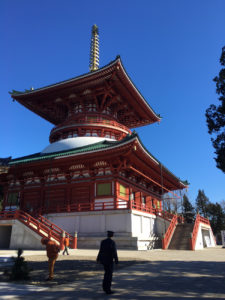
x=170, y=50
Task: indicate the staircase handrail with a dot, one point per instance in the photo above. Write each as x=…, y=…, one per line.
x=40, y=226
x=55, y=228
x=169, y=233
x=164, y=214
x=30, y=222
x=204, y=220
x=199, y=219
x=195, y=232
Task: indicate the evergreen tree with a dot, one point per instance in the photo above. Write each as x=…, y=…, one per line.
x=188, y=209
x=202, y=203
x=20, y=270
x=216, y=217
x=215, y=117
x=222, y=204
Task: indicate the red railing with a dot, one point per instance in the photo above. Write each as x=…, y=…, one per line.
x=56, y=229
x=165, y=215
x=198, y=220
x=204, y=220
x=40, y=225
x=90, y=206
x=142, y=207
x=169, y=216
x=169, y=233
x=99, y=206
x=92, y=122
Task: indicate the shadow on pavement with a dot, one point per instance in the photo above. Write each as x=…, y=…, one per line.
x=136, y=280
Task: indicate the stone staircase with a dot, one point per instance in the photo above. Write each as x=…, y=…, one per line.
x=181, y=237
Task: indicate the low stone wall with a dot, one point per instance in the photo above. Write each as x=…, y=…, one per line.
x=21, y=236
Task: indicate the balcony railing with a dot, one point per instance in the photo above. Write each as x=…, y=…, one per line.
x=96, y=206
x=92, y=122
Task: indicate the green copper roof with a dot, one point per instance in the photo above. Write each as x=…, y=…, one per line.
x=89, y=148
x=92, y=147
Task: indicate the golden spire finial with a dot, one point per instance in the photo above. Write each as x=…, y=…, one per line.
x=94, y=55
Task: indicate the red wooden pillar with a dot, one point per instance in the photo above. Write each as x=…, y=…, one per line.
x=117, y=193
x=138, y=199
x=92, y=193
x=21, y=199
x=41, y=208
x=129, y=198
x=148, y=203
x=5, y=190
x=68, y=193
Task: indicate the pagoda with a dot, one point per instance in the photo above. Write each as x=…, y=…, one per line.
x=95, y=174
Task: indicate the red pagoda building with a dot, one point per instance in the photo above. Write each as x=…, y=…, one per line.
x=95, y=175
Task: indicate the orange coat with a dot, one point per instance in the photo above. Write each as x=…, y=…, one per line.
x=66, y=242
x=52, y=249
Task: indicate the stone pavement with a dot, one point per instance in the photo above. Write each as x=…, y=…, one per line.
x=158, y=274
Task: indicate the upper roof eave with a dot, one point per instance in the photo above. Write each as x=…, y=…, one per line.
x=116, y=64
x=17, y=94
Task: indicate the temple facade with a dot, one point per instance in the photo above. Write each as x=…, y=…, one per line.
x=95, y=174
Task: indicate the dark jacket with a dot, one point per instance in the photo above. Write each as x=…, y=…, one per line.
x=107, y=252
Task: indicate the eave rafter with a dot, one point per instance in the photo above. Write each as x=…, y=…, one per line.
x=157, y=174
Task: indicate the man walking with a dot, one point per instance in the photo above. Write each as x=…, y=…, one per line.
x=107, y=254
x=66, y=243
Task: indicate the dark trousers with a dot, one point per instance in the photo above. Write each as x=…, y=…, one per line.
x=107, y=280
x=66, y=250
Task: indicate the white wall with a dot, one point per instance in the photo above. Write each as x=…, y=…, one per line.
x=143, y=224
x=161, y=226
x=94, y=222
x=21, y=236
x=199, y=241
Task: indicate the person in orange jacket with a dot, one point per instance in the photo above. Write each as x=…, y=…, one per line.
x=52, y=250
x=66, y=243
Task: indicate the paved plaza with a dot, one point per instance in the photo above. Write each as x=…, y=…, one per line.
x=154, y=274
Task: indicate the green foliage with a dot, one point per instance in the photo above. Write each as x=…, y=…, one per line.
x=213, y=211
x=215, y=117
x=216, y=217
x=20, y=269
x=201, y=203
x=188, y=209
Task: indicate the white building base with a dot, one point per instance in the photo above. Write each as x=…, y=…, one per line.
x=205, y=237
x=133, y=229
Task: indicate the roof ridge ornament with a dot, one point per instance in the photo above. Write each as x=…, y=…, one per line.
x=94, y=53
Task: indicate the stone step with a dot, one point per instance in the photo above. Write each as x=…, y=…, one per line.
x=181, y=237
x=122, y=242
